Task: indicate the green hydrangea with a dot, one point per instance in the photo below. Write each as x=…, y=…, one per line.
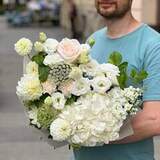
x=42, y=37
x=45, y=116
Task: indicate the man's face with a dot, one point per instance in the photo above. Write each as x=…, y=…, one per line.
x=111, y=9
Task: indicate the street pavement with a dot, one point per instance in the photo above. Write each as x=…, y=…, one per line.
x=17, y=140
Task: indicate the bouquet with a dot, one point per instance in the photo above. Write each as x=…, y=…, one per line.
x=72, y=96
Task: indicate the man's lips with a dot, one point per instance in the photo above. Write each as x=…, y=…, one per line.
x=106, y=4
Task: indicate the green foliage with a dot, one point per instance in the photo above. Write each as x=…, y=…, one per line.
x=36, y=103
x=115, y=58
x=46, y=115
x=138, y=77
x=91, y=42
x=39, y=58
x=43, y=72
x=42, y=69
x=71, y=100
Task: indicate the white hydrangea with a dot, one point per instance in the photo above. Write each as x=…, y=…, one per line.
x=60, y=130
x=32, y=114
x=80, y=87
x=51, y=60
x=38, y=46
x=23, y=46
x=29, y=88
x=32, y=68
x=101, y=84
x=58, y=100
x=50, y=46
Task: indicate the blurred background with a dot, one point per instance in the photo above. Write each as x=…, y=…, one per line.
x=58, y=18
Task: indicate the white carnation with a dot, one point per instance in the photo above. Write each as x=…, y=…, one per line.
x=50, y=46
x=101, y=84
x=60, y=130
x=29, y=88
x=58, y=100
x=51, y=60
x=23, y=46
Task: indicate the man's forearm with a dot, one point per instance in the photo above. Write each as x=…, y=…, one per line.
x=144, y=126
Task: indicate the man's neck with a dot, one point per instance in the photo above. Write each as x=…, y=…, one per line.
x=122, y=26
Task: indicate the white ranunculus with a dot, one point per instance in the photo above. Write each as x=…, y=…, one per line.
x=58, y=100
x=23, y=47
x=33, y=117
x=101, y=84
x=29, y=88
x=51, y=60
x=32, y=68
x=50, y=46
x=108, y=68
x=60, y=130
x=81, y=87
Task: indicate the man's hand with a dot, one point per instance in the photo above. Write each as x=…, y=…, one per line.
x=145, y=124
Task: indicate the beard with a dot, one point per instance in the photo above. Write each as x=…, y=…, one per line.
x=111, y=9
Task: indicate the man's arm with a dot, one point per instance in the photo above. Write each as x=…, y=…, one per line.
x=145, y=124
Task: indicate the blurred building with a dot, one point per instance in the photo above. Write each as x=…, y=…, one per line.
x=147, y=11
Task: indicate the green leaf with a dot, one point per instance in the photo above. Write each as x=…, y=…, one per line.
x=43, y=73
x=122, y=79
x=123, y=66
x=38, y=58
x=115, y=58
x=71, y=100
x=133, y=73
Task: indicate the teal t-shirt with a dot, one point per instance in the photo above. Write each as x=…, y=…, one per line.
x=141, y=49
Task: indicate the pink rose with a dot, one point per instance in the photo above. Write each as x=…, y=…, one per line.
x=69, y=49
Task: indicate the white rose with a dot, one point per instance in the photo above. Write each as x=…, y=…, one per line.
x=69, y=49
x=60, y=130
x=50, y=46
x=51, y=60
x=101, y=84
x=58, y=101
x=23, y=47
x=80, y=87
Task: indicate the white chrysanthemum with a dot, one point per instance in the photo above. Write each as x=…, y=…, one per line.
x=101, y=84
x=23, y=46
x=32, y=68
x=50, y=46
x=60, y=130
x=51, y=60
x=58, y=101
x=81, y=87
x=33, y=117
x=29, y=88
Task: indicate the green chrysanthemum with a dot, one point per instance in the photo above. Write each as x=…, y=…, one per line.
x=46, y=115
x=60, y=72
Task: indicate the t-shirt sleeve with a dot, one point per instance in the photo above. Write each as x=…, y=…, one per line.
x=152, y=65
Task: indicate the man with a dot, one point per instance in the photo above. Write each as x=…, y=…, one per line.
x=140, y=47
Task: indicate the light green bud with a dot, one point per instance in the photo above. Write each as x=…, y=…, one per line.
x=91, y=42
x=42, y=37
x=38, y=46
x=48, y=101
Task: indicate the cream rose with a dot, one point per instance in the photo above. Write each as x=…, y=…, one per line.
x=69, y=49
